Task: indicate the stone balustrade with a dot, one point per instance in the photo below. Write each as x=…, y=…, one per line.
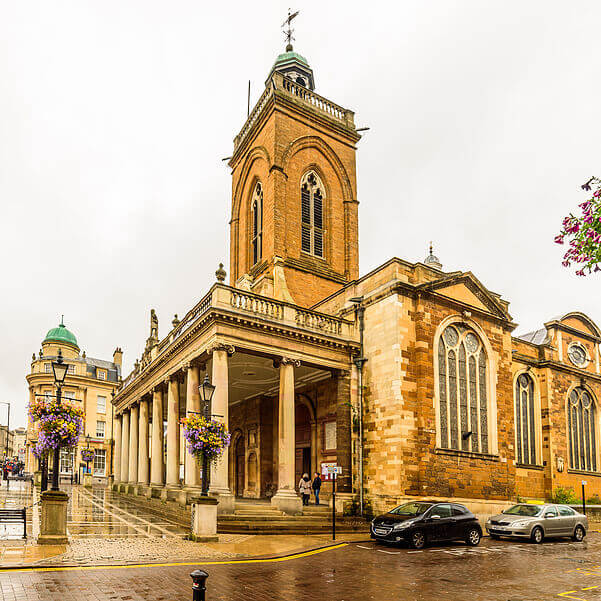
x=228, y=299
x=280, y=84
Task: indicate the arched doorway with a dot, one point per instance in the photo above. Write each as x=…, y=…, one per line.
x=239, y=465
x=303, y=441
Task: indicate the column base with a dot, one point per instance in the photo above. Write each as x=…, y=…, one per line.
x=131, y=488
x=170, y=493
x=141, y=490
x=189, y=495
x=227, y=501
x=342, y=499
x=53, y=523
x=288, y=502
x=156, y=490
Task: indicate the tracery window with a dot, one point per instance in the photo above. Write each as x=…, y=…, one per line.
x=312, y=198
x=582, y=419
x=463, y=390
x=257, y=224
x=525, y=429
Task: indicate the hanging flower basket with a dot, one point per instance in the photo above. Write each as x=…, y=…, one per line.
x=59, y=425
x=87, y=455
x=205, y=437
x=40, y=450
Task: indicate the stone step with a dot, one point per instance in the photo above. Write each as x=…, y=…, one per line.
x=276, y=518
x=285, y=528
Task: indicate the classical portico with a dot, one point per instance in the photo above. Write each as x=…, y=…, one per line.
x=282, y=380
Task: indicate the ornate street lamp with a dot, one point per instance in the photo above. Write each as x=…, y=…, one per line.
x=59, y=368
x=206, y=390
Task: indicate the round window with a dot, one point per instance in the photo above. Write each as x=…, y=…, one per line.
x=577, y=355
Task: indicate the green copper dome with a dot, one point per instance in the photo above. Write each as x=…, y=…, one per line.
x=61, y=334
x=290, y=56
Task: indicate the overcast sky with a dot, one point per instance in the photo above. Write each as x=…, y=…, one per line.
x=115, y=115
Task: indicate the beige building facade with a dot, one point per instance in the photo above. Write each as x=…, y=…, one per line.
x=409, y=378
x=90, y=384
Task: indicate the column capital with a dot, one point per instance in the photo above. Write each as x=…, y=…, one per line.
x=343, y=373
x=230, y=349
x=279, y=361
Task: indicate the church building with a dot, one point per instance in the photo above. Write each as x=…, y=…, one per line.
x=408, y=377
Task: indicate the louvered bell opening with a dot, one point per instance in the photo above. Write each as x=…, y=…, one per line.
x=306, y=239
x=305, y=206
x=318, y=243
x=318, y=210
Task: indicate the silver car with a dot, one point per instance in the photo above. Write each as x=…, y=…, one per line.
x=536, y=522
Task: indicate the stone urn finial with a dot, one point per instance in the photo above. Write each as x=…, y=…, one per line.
x=220, y=273
x=175, y=321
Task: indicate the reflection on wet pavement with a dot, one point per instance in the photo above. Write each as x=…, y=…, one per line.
x=98, y=512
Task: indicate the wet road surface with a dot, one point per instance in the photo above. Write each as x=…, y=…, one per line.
x=496, y=570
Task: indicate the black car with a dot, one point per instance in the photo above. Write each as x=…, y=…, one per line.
x=420, y=522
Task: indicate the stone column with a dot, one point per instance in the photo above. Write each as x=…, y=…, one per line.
x=125, y=449
x=286, y=499
x=143, y=461
x=133, y=446
x=344, y=481
x=117, y=449
x=219, y=485
x=157, y=476
x=172, y=484
x=191, y=467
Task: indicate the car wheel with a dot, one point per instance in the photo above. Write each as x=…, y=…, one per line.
x=537, y=535
x=579, y=534
x=472, y=538
x=418, y=539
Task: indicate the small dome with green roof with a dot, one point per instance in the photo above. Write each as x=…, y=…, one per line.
x=295, y=67
x=61, y=334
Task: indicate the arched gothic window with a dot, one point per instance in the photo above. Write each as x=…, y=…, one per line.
x=312, y=198
x=463, y=390
x=582, y=419
x=257, y=224
x=525, y=429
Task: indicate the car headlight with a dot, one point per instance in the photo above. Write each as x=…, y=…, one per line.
x=521, y=523
x=403, y=525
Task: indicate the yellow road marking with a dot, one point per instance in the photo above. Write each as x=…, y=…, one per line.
x=174, y=564
x=588, y=588
x=567, y=595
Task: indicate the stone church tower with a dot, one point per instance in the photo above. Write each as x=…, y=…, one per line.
x=294, y=230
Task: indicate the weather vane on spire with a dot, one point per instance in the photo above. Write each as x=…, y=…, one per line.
x=288, y=31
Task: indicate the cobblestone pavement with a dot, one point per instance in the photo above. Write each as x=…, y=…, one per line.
x=495, y=571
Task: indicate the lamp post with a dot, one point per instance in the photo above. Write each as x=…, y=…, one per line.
x=7, y=431
x=87, y=448
x=59, y=368
x=206, y=390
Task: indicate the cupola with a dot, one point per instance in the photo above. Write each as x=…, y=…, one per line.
x=61, y=335
x=294, y=66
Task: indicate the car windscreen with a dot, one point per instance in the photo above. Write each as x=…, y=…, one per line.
x=411, y=509
x=525, y=510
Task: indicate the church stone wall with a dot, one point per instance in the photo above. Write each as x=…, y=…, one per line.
x=400, y=439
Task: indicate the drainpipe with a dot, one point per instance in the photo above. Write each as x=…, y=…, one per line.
x=359, y=361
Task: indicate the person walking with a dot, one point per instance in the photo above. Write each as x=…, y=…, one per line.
x=304, y=488
x=316, y=485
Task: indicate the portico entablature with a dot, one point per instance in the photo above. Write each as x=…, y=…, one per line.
x=247, y=323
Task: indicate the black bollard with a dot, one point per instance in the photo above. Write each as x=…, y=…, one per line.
x=199, y=578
